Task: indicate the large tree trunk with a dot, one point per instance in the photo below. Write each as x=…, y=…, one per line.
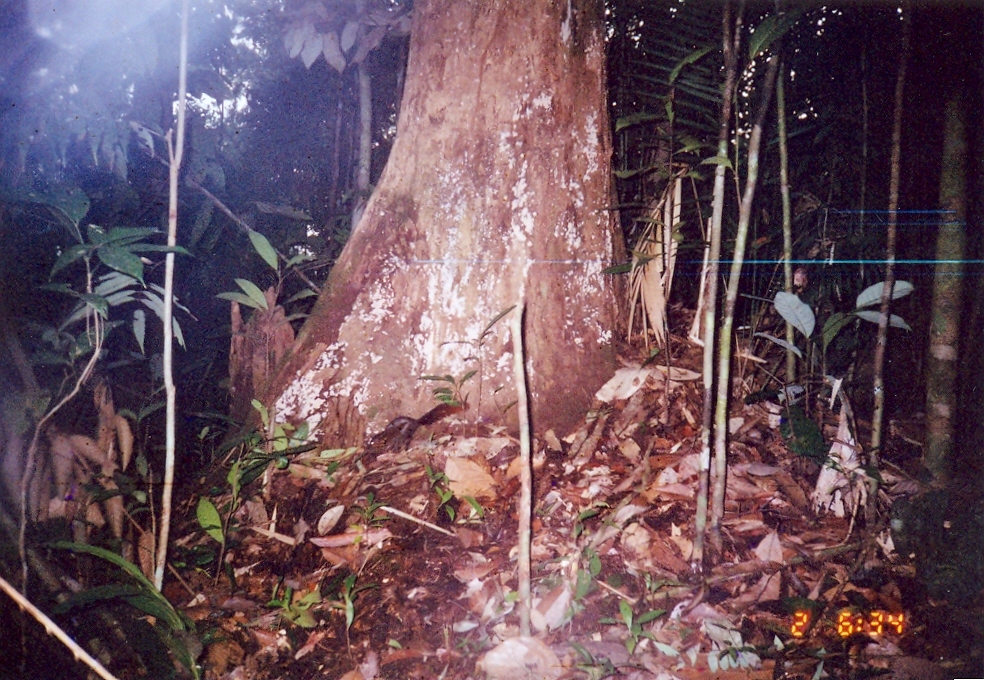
x=498, y=186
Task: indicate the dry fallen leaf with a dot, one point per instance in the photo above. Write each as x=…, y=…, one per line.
x=769, y=549
x=467, y=478
x=520, y=658
x=329, y=518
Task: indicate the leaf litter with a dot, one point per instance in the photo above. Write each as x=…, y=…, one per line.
x=405, y=566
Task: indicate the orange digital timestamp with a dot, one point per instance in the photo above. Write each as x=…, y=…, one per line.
x=851, y=622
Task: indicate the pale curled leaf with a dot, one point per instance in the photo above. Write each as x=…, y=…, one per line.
x=782, y=343
x=329, y=518
x=894, y=320
x=873, y=293
x=796, y=312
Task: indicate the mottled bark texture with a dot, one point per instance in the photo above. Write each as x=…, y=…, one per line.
x=498, y=185
x=944, y=330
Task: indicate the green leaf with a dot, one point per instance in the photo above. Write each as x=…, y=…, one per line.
x=210, y=520
x=297, y=259
x=873, y=293
x=151, y=248
x=98, y=303
x=128, y=234
x=625, y=609
x=649, y=616
x=171, y=615
x=96, y=235
x=121, y=260
x=618, y=269
x=70, y=255
x=691, y=58
x=265, y=250
x=262, y=410
x=234, y=478
x=96, y=594
x=833, y=325
x=253, y=291
x=796, y=312
x=73, y=203
x=240, y=298
x=494, y=321
x=59, y=288
x=306, y=293
x=634, y=119
x=717, y=160
x=439, y=378
x=771, y=29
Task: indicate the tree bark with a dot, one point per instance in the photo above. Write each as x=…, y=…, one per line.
x=498, y=188
x=944, y=331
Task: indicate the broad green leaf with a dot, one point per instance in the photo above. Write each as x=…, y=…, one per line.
x=691, y=58
x=649, y=616
x=871, y=315
x=59, y=288
x=98, y=303
x=210, y=520
x=240, y=298
x=782, y=343
x=73, y=203
x=771, y=29
x=833, y=325
x=625, y=609
x=265, y=250
x=95, y=594
x=253, y=291
x=96, y=235
x=172, y=617
x=152, y=248
x=306, y=293
x=149, y=410
x=298, y=259
x=262, y=410
x=618, y=269
x=634, y=119
x=139, y=327
x=121, y=260
x=689, y=144
x=131, y=234
x=796, y=312
x=70, y=255
x=717, y=160
x=873, y=293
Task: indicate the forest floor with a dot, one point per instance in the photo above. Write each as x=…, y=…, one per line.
x=364, y=563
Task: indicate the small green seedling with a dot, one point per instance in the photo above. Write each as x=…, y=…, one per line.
x=297, y=610
x=634, y=625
